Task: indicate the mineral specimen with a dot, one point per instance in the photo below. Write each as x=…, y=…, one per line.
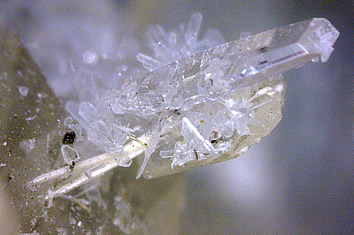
x=29, y=148
x=203, y=107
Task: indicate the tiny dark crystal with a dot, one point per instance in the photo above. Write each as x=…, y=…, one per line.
x=69, y=137
x=263, y=49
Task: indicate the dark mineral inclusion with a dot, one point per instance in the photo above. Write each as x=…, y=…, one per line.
x=30, y=119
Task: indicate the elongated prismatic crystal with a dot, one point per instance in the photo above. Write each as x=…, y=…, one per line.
x=202, y=109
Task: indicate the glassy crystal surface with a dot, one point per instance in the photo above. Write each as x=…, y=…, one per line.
x=70, y=154
x=207, y=107
x=218, y=102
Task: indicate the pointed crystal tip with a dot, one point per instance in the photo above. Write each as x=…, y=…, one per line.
x=319, y=38
x=229, y=119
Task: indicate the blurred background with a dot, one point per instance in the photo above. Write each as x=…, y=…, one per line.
x=297, y=180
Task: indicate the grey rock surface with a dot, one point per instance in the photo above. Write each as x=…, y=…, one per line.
x=29, y=116
x=31, y=120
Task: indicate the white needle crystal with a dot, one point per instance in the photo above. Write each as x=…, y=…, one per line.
x=205, y=108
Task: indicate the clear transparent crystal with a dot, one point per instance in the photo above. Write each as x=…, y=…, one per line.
x=202, y=109
x=70, y=154
x=231, y=95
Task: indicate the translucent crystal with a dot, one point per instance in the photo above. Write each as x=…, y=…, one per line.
x=201, y=109
x=29, y=144
x=87, y=111
x=70, y=124
x=23, y=90
x=85, y=86
x=70, y=154
x=229, y=96
x=168, y=47
x=124, y=218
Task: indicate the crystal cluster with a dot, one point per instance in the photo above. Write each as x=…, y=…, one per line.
x=107, y=110
x=215, y=104
x=168, y=47
x=195, y=107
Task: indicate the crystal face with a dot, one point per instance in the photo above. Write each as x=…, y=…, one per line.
x=218, y=102
x=208, y=107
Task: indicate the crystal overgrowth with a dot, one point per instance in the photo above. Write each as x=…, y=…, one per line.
x=208, y=107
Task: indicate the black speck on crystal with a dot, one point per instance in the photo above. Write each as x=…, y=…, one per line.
x=263, y=49
x=176, y=111
x=69, y=137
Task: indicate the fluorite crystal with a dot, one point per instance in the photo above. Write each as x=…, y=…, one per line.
x=207, y=107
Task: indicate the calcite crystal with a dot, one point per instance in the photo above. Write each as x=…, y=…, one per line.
x=207, y=107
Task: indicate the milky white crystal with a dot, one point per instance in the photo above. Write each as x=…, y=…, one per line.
x=200, y=108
